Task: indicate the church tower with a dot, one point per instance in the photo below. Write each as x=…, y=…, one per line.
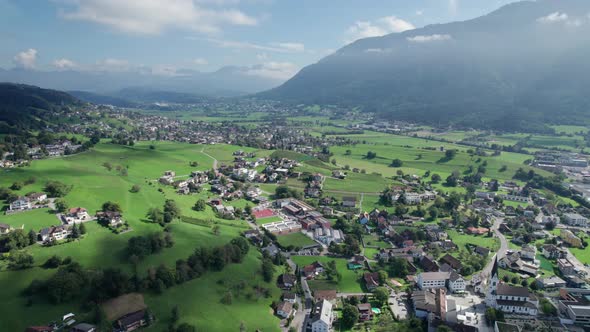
x=493, y=284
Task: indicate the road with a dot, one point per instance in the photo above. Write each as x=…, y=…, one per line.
x=503, y=246
x=215, y=162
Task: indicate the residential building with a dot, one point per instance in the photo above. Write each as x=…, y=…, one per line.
x=111, y=218
x=282, y=227
x=76, y=215
x=349, y=201
x=566, y=267
x=132, y=321
x=371, y=280
x=456, y=283
x=551, y=251
x=21, y=204
x=54, y=233
x=550, y=282
x=290, y=297
x=5, y=229
x=321, y=317
x=568, y=237
x=430, y=301
x=575, y=219
x=83, y=327
x=365, y=311
x=287, y=281
x=284, y=309
x=313, y=270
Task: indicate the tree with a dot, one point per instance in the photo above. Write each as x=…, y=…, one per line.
x=112, y=207
x=20, y=260
x=52, y=262
x=175, y=314
x=32, y=235
x=451, y=181
x=350, y=315
x=16, y=186
x=381, y=295
x=371, y=155
x=136, y=188
x=185, y=327
x=268, y=269
x=435, y=178
x=450, y=154
x=82, y=229
x=61, y=205
x=215, y=229
x=155, y=215
x=547, y=308
x=286, y=192
x=492, y=315
x=57, y=189
x=396, y=163
x=200, y=205
x=172, y=209
x=75, y=231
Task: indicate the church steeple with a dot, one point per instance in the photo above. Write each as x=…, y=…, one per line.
x=494, y=272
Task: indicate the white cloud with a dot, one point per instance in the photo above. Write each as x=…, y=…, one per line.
x=294, y=47
x=419, y=12
x=429, y=38
x=281, y=71
x=380, y=27
x=200, y=61
x=155, y=16
x=284, y=47
x=26, y=59
x=112, y=64
x=64, y=64
x=262, y=56
x=553, y=18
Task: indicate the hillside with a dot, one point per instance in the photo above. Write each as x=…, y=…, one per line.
x=517, y=68
x=25, y=107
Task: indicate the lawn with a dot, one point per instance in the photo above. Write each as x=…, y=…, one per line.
x=93, y=184
x=268, y=220
x=297, y=240
x=461, y=240
x=350, y=282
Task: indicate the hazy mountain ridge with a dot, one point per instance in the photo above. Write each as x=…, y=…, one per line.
x=510, y=68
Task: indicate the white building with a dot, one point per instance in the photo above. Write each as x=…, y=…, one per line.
x=575, y=219
x=456, y=283
x=22, y=203
x=322, y=317
x=428, y=280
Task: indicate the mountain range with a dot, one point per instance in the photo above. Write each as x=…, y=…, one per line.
x=519, y=67
x=228, y=81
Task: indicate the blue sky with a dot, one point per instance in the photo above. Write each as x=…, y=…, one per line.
x=165, y=36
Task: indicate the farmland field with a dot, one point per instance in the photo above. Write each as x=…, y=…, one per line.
x=93, y=184
x=350, y=282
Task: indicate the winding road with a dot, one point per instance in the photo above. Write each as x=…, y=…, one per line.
x=503, y=246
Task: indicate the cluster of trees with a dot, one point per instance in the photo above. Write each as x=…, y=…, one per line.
x=20, y=260
x=139, y=247
x=350, y=247
x=71, y=281
x=170, y=212
x=287, y=192
x=17, y=239
x=371, y=155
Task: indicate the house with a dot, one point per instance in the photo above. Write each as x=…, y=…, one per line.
x=371, y=280
x=428, y=264
x=328, y=295
x=290, y=297
x=574, y=219
x=37, y=197
x=20, y=204
x=485, y=252
x=430, y=301
x=83, y=327
x=313, y=270
x=551, y=251
x=428, y=280
x=569, y=238
x=39, y=329
x=365, y=311
x=528, y=252
x=287, y=281
x=566, y=267
x=452, y=261
x=5, y=229
x=456, y=283
x=76, y=215
x=321, y=317
x=111, y=218
x=54, y=233
x=348, y=201
x=284, y=309
x=132, y=321
x=550, y=282
x=477, y=230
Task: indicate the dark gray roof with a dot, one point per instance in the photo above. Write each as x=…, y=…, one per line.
x=504, y=289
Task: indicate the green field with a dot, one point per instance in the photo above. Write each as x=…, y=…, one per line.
x=351, y=280
x=461, y=240
x=93, y=184
x=297, y=240
x=268, y=220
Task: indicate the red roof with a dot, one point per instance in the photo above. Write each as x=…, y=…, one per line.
x=263, y=213
x=77, y=210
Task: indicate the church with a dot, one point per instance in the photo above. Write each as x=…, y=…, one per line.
x=510, y=299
